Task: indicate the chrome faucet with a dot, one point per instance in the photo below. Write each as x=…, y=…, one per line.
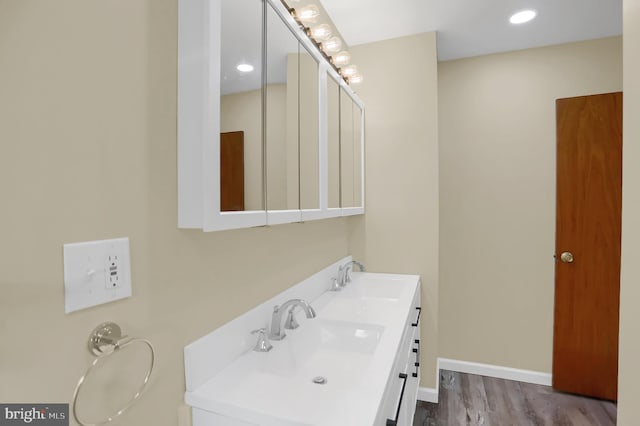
x=277, y=333
x=344, y=272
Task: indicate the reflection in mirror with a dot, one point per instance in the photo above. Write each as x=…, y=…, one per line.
x=308, y=118
x=282, y=52
x=346, y=149
x=357, y=156
x=350, y=151
x=241, y=168
x=333, y=124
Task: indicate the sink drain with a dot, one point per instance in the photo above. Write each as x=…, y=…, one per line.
x=320, y=380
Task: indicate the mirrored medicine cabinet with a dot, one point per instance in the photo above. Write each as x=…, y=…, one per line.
x=278, y=141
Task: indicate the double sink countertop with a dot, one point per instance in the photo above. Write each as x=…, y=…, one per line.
x=352, y=344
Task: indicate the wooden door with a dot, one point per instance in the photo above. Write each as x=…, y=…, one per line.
x=588, y=232
x=232, y=171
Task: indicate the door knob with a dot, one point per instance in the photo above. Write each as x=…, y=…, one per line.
x=566, y=257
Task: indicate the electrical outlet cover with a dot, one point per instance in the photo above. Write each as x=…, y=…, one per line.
x=87, y=273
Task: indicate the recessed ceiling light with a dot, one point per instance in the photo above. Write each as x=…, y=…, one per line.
x=522, y=16
x=244, y=68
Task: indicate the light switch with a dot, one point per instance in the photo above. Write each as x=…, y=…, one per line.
x=96, y=272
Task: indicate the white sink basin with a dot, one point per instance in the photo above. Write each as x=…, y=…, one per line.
x=280, y=384
x=373, y=287
x=336, y=350
x=369, y=298
x=336, y=336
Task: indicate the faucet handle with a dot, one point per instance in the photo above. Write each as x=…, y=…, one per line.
x=340, y=278
x=262, y=345
x=291, y=323
x=334, y=285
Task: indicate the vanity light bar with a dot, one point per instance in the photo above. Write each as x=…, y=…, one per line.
x=318, y=44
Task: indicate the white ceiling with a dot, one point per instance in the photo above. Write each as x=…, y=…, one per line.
x=476, y=27
x=464, y=27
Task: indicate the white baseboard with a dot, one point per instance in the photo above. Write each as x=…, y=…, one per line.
x=526, y=376
x=508, y=373
x=428, y=395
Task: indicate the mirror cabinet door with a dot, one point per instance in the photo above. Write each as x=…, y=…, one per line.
x=351, y=154
x=241, y=144
x=333, y=141
x=257, y=149
x=347, y=171
x=308, y=110
x=281, y=114
x=358, y=156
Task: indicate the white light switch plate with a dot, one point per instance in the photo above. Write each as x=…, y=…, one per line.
x=96, y=272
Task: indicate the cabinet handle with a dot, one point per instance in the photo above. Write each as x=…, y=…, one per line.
x=417, y=363
x=415, y=324
x=404, y=384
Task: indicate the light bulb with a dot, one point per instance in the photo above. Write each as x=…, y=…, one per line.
x=356, y=78
x=245, y=68
x=308, y=14
x=349, y=71
x=342, y=58
x=334, y=44
x=522, y=16
x=321, y=32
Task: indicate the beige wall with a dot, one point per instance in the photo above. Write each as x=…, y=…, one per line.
x=497, y=195
x=399, y=232
x=88, y=151
x=629, y=373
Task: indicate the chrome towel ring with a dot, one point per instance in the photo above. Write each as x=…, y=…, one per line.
x=105, y=340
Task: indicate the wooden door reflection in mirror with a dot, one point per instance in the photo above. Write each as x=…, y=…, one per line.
x=232, y=171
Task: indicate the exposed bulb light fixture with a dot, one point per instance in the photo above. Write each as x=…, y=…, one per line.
x=342, y=58
x=321, y=32
x=245, y=67
x=330, y=47
x=308, y=14
x=523, y=16
x=355, y=78
x=334, y=44
x=349, y=71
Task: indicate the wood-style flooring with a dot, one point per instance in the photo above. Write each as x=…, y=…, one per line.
x=467, y=399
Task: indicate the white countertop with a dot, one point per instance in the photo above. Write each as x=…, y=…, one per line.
x=352, y=342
